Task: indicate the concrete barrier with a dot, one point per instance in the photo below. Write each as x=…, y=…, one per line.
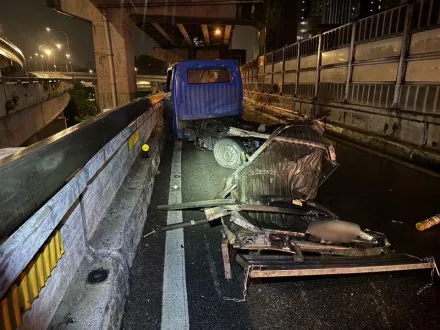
x=100, y=214
x=401, y=133
x=16, y=128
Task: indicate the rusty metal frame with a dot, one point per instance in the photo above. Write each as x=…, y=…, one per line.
x=408, y=263
x=226, y=258
x=196, y=205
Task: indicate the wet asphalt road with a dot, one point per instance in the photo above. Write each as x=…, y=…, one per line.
x=365, y=189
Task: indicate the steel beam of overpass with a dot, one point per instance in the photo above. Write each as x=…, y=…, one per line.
x=206, y=34
x=227, y=34
x=164, y=33
x=182, y=30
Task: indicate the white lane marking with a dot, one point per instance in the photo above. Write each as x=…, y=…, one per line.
x=174, y=297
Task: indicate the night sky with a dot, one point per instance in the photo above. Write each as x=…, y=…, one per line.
x=24, y=21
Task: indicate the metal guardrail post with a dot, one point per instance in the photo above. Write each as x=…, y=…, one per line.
x=318, y=66
x=264, y=72
x=271, y=78
x=283, y=66
x=403, y=53
x=350, y=61
x=298, y=57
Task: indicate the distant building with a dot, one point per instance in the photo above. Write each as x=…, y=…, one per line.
x=304, y=8
x=371, y=7
x=316, y=16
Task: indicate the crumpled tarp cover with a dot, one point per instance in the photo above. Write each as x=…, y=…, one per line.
x=284, y=169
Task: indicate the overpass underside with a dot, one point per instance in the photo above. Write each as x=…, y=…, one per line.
x=182, y=29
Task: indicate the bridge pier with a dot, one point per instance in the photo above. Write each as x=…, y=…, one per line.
x=114, y=56
x=114, y=60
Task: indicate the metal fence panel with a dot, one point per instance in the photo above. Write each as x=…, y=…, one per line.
x=390, y=59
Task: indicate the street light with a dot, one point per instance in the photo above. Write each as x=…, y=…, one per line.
x=90, y=71
x=42, y=67
x=48, y=29
x=58, y=46
x=49, y=53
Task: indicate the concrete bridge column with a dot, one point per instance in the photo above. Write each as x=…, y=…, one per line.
x=121, y=53
x=122, y=48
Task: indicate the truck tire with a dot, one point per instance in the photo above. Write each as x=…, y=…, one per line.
x=227, y=153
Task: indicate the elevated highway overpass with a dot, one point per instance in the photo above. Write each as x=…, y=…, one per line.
x=144, y=82
x=29, y=105
x=202, y=27
x=10, y=55
x=87, y=76
x=93, y=77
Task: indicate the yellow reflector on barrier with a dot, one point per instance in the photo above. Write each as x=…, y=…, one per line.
x=21, y=294
x=133, y=139
x=14, y=305
x=53, y=255
x=6, y=320
x=40, y=271
x=33, y=282
x=46, y=262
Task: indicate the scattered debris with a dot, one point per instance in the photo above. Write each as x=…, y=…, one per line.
x=270, y=223
x=428, y=223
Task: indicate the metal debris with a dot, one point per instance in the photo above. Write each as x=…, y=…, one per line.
x=271, y=223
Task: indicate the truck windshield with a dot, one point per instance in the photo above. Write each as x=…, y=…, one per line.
x=208, y=76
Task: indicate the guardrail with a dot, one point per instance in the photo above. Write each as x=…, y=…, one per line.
x=379, y=75
x=34, y=174
x=389, y=60
x=63, y=188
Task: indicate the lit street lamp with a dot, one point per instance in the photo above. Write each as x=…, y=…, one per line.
x=49, y=53
x=68, y=62
x=42, y=67
x=90, y=71
x=48, y=29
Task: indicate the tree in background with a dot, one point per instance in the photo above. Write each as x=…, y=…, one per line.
x=82, y=105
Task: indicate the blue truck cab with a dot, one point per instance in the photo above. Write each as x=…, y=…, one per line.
x=200, y=90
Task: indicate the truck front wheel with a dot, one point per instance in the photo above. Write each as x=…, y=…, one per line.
x=228, y=153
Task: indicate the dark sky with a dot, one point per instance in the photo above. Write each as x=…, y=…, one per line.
x=24, y=21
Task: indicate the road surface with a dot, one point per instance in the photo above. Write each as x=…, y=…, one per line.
x=365, y=189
